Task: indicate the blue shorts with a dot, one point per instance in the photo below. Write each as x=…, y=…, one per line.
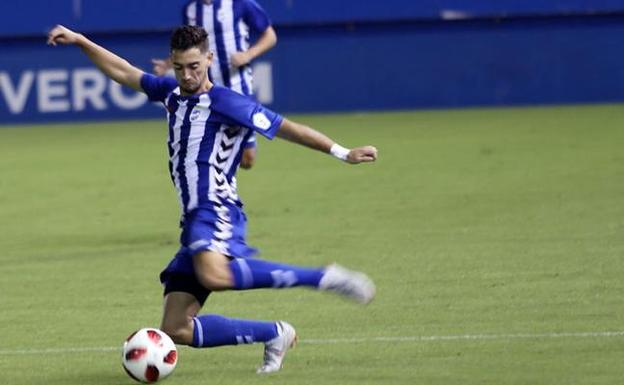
x=206, y=229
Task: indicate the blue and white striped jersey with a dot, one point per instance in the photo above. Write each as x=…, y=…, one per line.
x=228, y=23
x=207, y=133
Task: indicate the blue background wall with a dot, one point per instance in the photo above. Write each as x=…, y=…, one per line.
x=333, y=55
x=37, y=16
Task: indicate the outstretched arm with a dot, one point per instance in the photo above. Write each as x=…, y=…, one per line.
x=309, y=137
x=112, y=65
x=265, y=42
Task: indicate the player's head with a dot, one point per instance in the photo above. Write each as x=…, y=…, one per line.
x=190, y=57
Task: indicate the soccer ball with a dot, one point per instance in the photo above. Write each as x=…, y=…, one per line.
x=149, y=355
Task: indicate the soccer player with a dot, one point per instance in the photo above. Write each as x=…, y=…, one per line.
x=229, y=24
x=207, y=126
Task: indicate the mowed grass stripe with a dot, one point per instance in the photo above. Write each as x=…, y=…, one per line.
x=356, y=340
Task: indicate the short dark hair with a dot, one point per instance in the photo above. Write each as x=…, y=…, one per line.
x=189, y=36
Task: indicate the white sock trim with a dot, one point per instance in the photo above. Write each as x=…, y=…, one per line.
x=200, y=332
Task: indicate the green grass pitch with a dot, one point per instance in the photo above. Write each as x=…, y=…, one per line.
x=495, y=237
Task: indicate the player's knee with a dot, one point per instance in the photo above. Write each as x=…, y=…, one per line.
x=212, y=271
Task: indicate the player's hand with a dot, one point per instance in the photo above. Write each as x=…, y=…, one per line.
x=362, y=154
x=62, y=35
x=239, y=59
x=161, y=67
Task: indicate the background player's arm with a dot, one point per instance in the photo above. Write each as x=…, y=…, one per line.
x=265, y=42
x=112, y=65
x=162, y=66
x=309, y=137
x=249, y=158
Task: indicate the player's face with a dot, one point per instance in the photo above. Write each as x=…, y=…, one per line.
x=191, y=69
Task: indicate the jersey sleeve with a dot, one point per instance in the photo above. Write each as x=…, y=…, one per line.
x=157, y=87
x=245, y=111
x=256, y=17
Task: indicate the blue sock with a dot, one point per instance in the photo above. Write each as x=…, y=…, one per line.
x=250, y=273
x=212, y=330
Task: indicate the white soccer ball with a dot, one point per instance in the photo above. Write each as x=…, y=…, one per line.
x=149, y=355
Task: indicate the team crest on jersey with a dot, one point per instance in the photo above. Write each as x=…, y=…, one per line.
x=261, y=121
x=195, y=114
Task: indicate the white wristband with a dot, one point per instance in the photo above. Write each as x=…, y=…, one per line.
x=339, y=152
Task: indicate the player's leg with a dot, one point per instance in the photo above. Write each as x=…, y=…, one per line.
x=215, y=271
x=185, y=327
x=210, y=235
x=218, y=272
x=212, y=330
x=179, y=310
x=183, y=324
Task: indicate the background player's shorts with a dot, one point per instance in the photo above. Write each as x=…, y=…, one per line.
x=205, y=229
